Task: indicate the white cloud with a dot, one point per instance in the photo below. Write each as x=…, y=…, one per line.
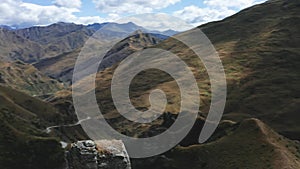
x=90, y=20
x=18, y=13
x=159, y=21
x=68, y=3
x=214, y=10
x=132, y=6
x=238, y=4
x=197, y=16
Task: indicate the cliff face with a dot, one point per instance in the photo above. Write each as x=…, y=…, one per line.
x=102, y=154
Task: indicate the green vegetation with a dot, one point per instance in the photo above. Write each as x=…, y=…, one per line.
x=250, y=144
x=28, y=79
x=23, y=143
x=259, y=48
x=262, y=63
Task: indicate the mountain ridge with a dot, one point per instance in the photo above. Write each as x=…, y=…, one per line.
x=248, y=144
x=259, y=48
x=35, y=43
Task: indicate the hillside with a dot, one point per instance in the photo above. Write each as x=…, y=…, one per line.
x=262, y=63
x=259, y=48
x=27, y=78
x=14, y=47
x=23, y=143
x=260, y=55
x=249, y=144
x=35, y=43
x=57, y=38
x=61, y=67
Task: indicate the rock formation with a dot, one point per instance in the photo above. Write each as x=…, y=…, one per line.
x=101, y=154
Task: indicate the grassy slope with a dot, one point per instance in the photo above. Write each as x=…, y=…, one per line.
x=260, y=54
x=27, y=78
x=249, y=144
x=61, y=67
x=259, y=48
x=262, y=63
x=12, y=47
x=258, y=61
x=23, y=144
x=56, y=38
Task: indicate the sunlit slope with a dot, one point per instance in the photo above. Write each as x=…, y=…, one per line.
x=28, y=79
x=249, y=144
x=259, y=48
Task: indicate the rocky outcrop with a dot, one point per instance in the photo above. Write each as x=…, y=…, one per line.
x=101, y=154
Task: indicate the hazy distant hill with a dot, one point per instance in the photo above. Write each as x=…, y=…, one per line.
x=115, y=27
x=6, y=27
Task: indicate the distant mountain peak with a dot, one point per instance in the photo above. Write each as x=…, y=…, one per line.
x=5, y=27
x=139, y=31
x=131, y=23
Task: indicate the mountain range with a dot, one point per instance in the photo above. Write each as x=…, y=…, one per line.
x=259, y=49
x=35, y=43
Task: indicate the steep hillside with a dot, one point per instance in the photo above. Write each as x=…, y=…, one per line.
x=262, y=63
x=47, y=34
x=62, y=37
x=27, y=78
x=57, y=38
x=35, y=43
x=61, y=67
x=15, y=47
x=249, y=144
x=23, y=143
x=259, y=48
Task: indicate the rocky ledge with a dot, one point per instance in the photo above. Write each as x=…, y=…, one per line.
x=101, y=154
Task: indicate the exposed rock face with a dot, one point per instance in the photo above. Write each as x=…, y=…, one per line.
x=101, y=154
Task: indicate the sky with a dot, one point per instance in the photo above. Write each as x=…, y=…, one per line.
x=152, y=14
